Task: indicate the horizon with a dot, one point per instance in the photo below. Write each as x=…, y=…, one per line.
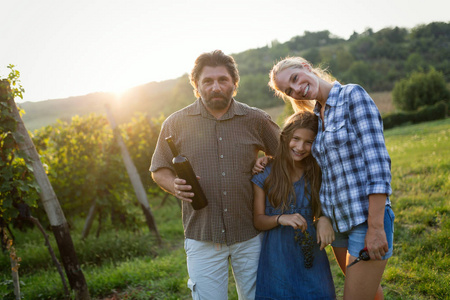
x=70, y=49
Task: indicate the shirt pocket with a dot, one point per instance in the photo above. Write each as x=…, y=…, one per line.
x=244, y=157
x=336, y=135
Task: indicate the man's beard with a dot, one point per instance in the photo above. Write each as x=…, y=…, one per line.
x=215, y=104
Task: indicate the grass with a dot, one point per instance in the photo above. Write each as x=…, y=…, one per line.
x=421, y=183
x=128, y=265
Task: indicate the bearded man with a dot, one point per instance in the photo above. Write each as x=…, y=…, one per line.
x=222, y=138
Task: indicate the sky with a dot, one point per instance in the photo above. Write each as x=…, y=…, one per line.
x=65, y=48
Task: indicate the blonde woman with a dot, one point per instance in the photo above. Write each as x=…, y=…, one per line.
x=355, y=164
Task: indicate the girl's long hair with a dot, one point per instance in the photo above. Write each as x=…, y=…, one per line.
x=278, y=185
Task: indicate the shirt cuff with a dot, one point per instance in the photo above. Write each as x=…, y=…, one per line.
x=379, y=188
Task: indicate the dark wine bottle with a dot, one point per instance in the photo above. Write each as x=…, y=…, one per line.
x=184, y=171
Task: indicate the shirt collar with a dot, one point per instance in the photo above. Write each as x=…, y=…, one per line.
x=198, y=108
x=333, y=97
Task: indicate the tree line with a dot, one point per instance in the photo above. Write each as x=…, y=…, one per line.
x=375, y=60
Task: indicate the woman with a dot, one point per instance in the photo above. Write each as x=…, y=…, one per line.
x=351, y=152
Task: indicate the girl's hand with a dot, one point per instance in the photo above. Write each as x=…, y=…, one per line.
x=260, y=164
x=325, y=232
x=295, y=220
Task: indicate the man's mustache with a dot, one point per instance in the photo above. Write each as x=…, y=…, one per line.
x=217, y=94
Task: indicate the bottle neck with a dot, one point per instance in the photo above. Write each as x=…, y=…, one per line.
x=172, y=146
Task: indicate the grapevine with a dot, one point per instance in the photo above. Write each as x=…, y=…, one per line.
x=17, y=185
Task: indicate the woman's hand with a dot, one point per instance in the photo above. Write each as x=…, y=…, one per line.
x=260, y=164
x=376, y=243
x=375, y=240
x=325, y=232
x=295, y=220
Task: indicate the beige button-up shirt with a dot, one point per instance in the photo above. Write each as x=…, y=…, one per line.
x=222, y=152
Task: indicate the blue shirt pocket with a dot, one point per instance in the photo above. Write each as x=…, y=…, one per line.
x=336, y=135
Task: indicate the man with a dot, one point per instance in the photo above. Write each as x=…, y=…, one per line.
x=221, y=137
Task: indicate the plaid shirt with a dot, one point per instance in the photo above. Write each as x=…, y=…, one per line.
x=352, y=155
x=222, y=152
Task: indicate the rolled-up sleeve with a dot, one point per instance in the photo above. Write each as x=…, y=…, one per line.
x=162, y=157
x=270, y=134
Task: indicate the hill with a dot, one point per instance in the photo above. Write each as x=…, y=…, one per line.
x=376, y=60
x=150, y=97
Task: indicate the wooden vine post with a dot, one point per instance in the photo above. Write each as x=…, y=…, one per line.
x=89, y=220
x=49, y=200
x=134, y=176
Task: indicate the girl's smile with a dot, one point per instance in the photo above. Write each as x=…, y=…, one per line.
x=300, y=144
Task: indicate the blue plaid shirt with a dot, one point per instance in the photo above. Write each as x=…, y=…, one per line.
x=352, y=155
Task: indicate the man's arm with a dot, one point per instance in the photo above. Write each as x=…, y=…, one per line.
x=269, y=132
x=167, y=180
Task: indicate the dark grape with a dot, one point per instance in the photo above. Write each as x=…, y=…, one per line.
x=306, y=242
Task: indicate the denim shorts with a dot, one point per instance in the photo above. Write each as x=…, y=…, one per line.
x=354, y=240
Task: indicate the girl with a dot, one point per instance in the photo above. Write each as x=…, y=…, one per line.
x=286, y=202
x=351, y=152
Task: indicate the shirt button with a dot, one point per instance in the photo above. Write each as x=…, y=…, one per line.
x=223, y=230
x=220, y=138
x=223, y=173
x=225, y=210
x=225, y=192
x=221, y=156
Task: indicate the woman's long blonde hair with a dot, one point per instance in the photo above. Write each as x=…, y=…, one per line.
x=296, y=62
x=278, y=185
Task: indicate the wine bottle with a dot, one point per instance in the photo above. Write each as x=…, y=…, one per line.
x=184, y=171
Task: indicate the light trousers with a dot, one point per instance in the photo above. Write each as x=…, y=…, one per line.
x=207, y=264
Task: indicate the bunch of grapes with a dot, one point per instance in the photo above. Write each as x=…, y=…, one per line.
x=306, y=242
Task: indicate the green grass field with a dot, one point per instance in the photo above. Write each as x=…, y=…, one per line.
x=124, y=265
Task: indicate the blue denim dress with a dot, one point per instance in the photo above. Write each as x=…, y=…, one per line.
x=282, y=273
